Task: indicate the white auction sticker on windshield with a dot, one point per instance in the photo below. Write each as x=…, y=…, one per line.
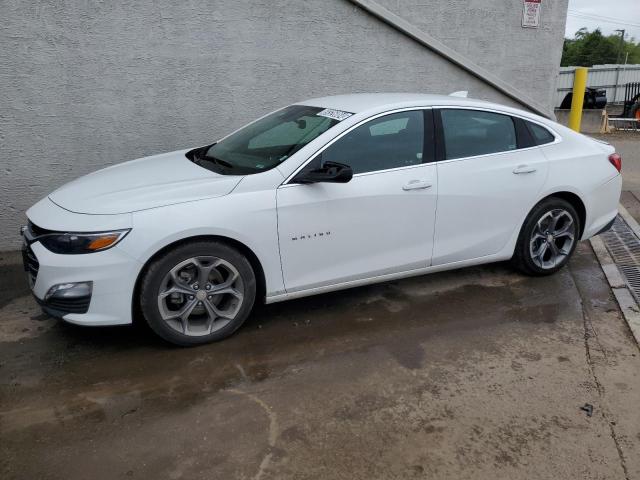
x=335, y=114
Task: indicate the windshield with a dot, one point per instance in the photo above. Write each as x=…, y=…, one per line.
x=269, y=141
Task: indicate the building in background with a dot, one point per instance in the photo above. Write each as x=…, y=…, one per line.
x=87, y=84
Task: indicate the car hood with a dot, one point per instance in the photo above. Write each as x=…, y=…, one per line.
x=148, y=182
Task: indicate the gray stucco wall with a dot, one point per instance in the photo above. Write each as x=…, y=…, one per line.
x=89, y=83
x=490, y=33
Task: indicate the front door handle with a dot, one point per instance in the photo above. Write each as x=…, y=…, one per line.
x=416, y=185
x=523, y=169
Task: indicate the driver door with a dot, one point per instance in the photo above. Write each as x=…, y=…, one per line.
x=381, y=222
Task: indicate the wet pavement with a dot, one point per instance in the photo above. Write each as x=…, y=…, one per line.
x=479, y=373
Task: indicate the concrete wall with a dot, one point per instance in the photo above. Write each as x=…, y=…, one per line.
x=592, y=120
x=89, y=83
x=490, y=33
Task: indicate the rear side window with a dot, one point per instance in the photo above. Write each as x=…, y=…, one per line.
x=540, y=134
x=468, y=133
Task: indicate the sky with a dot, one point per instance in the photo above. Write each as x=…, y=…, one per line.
x=608, y=15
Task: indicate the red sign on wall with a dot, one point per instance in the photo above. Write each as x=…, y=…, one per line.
x=531, y=13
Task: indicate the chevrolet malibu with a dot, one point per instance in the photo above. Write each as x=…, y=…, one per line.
x=322, y=195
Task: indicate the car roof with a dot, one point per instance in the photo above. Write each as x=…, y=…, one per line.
x=375, y=102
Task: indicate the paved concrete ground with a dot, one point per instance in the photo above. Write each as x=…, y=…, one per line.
x=474, y=374
x=478, y=373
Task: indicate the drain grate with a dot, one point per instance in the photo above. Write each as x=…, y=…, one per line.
x=632, y=275
x=624, y=247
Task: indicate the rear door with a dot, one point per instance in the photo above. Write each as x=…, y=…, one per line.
x=489, y=176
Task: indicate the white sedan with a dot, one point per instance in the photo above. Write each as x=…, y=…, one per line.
x=322, y=195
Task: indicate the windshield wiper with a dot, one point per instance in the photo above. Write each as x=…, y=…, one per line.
x=218, y=161
x=199, y=157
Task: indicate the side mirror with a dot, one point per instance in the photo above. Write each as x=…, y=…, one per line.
x=331, y=172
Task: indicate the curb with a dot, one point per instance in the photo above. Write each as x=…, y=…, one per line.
x=628, y=306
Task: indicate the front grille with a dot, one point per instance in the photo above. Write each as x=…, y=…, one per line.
x=31, y=264
x=69, y=305
x=29, y=259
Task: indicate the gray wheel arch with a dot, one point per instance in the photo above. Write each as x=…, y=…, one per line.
x=241, y=247
x=576, y=202
x=573, y=199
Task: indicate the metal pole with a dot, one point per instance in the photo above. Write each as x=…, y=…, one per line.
x=577, y=98
x=621, y=45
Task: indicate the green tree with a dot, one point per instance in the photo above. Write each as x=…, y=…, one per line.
x=586, y=49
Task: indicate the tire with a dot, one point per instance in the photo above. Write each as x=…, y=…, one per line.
x=539, y=228
x=185, y=313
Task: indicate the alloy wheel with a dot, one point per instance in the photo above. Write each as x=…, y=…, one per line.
x=552, y=238
x=200, y=295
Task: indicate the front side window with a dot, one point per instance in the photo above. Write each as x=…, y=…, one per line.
x=392, y=141
x=468, y=133
x=267, y=142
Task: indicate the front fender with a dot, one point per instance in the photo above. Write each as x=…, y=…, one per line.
x=249, y=218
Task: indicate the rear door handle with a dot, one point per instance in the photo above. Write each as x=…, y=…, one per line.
x=523, y=169
x=416, y=185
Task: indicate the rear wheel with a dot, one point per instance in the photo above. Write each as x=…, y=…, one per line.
x=547, y=238
x=198, y=293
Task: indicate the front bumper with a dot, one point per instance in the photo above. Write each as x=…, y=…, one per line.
x=112, y=272
x=58, y=310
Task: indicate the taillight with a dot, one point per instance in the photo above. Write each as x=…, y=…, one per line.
x=616, y=161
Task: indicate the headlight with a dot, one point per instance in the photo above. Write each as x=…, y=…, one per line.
x=74, y=243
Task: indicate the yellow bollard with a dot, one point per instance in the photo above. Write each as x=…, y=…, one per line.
x=577, y=99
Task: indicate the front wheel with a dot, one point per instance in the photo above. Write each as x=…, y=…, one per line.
x=197, y=293
x=547, y=238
